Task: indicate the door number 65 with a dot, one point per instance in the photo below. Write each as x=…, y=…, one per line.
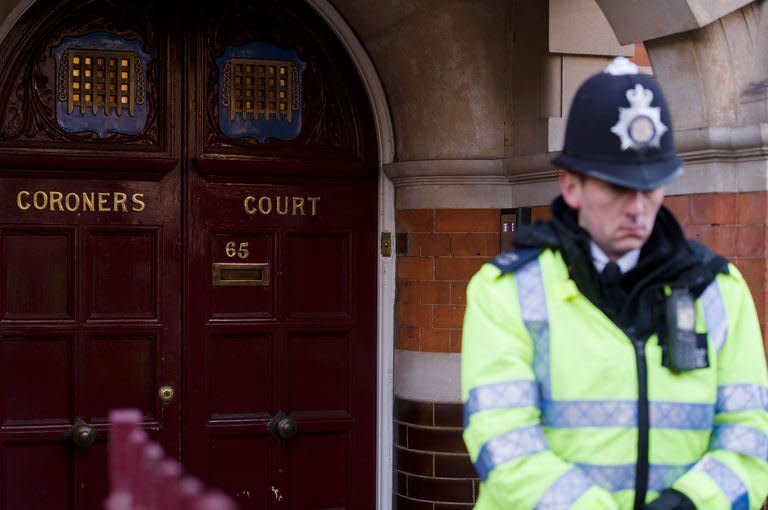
x=233, y=250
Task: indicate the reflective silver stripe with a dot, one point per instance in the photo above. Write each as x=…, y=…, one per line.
x=741, y=397
x=678, y=415
x=565, y=491
x=533, y=309
x=728, y=481
x=530, y=290
x=601, y=413
x=500, y=396
x=714, y=314
x=509, y=446
x=741, y=439
x=623, y=413
x=621, y=477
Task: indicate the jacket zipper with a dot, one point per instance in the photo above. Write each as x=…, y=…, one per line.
x=643, y=425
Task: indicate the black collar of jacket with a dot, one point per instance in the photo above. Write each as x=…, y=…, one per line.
x=666, y=259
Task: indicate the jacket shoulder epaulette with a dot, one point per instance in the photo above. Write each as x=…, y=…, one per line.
x=511, y=261
x=708, y=258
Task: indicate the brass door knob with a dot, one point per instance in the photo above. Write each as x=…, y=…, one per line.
x=166, y=393
x=283, y=426
x=83, y=435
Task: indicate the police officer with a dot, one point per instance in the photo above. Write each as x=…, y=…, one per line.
x=607, y=362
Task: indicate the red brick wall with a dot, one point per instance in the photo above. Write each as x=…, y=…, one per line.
x=447, y=246
x=733, y=225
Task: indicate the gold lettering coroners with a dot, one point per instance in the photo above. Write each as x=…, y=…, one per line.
x=82, y=201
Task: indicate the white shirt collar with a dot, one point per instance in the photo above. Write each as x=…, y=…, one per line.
x=626, y=262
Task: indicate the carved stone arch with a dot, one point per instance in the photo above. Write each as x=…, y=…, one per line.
x=715, y=80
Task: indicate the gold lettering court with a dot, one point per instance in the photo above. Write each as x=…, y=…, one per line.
x=281, y=205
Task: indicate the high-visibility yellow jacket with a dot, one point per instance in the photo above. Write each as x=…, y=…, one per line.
x=554, y=398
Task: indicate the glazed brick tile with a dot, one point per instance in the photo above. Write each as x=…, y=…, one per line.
x=430, y=245
x=467, y=220
x=751, y=208
x=400, y=483
x=448, y=316
x=415, y=220
x=453, y=506
x=457, y=269
x=417, y=413
x=415, y=463
x=449, y=415
x=415, y=268
x=405, y=503
x=400, y=434
x=435, y=340
x=440, y=489
x=454, y=466
x=436, y=440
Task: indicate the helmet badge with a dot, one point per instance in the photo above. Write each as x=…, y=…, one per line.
x=639, y=126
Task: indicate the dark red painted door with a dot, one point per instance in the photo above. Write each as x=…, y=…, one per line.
x=89, y=321
x=282, y=322
x=238, y=271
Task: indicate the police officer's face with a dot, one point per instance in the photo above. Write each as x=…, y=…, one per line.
x=618, y=219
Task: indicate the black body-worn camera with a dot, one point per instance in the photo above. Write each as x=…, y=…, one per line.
x=683, y=349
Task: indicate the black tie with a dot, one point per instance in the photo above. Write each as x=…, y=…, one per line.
x=611, y=280
x=611, y=273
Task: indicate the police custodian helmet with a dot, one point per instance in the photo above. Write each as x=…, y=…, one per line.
x=619, y=130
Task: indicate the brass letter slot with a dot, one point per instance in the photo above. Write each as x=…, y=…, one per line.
x=240, y=274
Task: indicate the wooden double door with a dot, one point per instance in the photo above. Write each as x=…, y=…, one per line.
x=225, y=286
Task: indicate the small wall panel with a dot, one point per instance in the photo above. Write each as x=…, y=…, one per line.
x=240, y=374
x=319, y=471
x=122, y=274
x=38, y=275
x=317, y=269
x=117, y=371
x=318, y=372
x=243, y=299
x=25, y=465
x=240, y=467
x=41, y=396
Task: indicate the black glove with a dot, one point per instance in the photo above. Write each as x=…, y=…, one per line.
x=670, y=499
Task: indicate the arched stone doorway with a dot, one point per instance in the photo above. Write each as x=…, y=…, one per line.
x=191, y=204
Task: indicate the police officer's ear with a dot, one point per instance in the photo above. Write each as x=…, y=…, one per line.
x=571, y=186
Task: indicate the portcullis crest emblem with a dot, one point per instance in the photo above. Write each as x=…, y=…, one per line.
x=639, y=126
